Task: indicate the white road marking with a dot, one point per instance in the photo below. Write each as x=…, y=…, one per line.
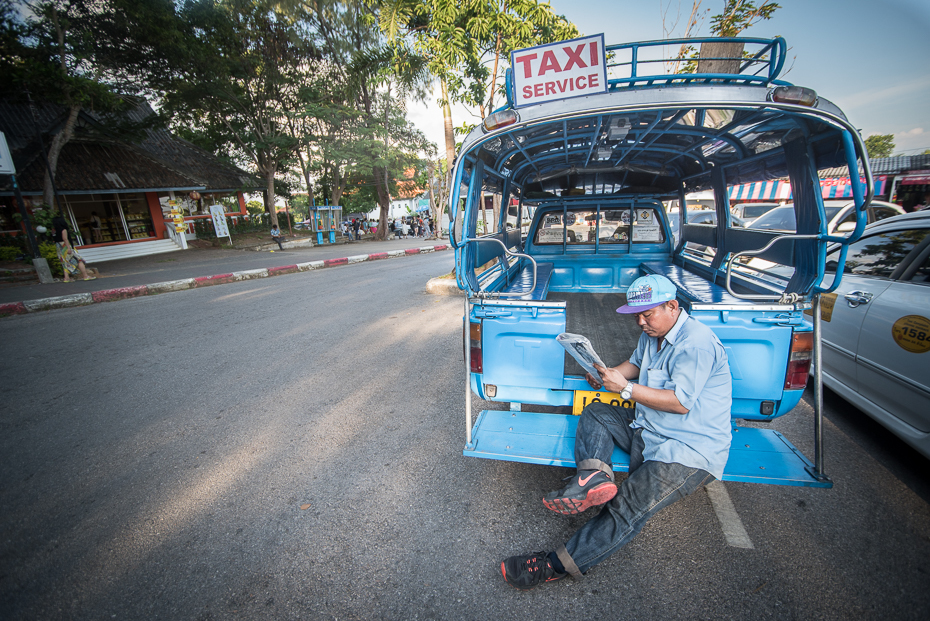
x=727, y=516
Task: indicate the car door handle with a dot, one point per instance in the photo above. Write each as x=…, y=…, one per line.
x=855, y=298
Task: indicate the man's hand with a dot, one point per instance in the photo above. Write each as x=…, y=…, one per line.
x=614, y=381
x=596, y=385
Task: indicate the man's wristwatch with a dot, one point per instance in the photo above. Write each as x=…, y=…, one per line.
x=627, y=391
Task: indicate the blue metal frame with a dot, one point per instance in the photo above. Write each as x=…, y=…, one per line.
x=534, y=155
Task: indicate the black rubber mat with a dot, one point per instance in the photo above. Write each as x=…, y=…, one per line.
x=594, y=315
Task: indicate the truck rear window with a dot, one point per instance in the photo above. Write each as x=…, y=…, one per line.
x=581, y=226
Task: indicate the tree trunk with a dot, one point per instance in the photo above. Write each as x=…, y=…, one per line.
x=433, y=205
x=269, y=194
x=724, y=57
x=497, y=55
x=54, y=150
x=484, y=215
x=447, y=124
x=384, y=202
x=337, y=186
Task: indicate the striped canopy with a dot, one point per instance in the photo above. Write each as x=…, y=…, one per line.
x=781, y=190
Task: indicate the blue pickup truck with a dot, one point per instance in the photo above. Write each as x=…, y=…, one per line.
x=558, y=206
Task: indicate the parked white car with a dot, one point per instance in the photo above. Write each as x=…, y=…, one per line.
x=748, y=212
x=876, y=327
x=839, y=215
x=705, y=216
x=840, y=218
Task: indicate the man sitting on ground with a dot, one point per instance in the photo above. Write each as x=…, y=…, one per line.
x=277, y=236
x=677, y=436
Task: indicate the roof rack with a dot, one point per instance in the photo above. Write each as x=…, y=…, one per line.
x=727, y=60
x=738, y=61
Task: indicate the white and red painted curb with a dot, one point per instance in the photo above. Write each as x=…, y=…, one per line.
x=123, y=293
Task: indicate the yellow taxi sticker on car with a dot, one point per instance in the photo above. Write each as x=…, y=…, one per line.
x=584, y=398
x=912, y=333
x=827, y=301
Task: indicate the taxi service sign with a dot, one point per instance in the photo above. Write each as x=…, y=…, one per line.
x=559, y=70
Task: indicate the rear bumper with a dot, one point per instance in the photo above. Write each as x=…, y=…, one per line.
x=756, y=455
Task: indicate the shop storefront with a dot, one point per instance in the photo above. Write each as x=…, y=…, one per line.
x=119, y=197
x=912, y=189
x=105, y=219
x=109, y=218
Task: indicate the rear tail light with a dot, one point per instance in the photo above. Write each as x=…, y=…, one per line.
x=474, y=345
x=499, y=119
x=799, y=361
x=794, y=95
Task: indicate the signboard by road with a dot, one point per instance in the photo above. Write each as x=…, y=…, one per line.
x=6, y=160
x=219, y=221
x=559, y=70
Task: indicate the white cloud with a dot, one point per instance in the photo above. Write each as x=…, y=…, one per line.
x=876, y=94
x=911, y=141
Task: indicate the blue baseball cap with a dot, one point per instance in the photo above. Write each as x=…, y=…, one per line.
x=647, y=292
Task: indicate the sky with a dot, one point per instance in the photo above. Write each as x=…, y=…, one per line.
x=870, y=57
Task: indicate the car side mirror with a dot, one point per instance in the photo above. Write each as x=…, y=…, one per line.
x=830, y=267
x=846, y=227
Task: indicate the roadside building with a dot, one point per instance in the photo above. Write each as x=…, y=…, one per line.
x=903, y=180
x=404, y=202
x=117, y=192
x=909, y=178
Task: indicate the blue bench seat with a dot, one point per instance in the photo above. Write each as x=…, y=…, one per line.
x=691, y=286
x=524, y=280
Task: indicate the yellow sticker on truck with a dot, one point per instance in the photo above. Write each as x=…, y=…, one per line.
x=584, y=398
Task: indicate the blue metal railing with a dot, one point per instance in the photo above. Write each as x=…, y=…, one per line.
x=761, y=64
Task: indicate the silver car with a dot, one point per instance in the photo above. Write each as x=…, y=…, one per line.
x=876, y=327
x=840, y=216
x=750, y=211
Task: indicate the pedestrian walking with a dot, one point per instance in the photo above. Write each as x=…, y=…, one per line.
x=96, y=227
x=71, y=261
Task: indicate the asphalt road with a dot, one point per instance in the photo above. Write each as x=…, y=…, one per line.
x=290, y=448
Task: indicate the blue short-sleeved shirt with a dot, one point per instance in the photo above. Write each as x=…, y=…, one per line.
x=693, y=363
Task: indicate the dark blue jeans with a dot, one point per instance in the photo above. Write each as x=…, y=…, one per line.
x=650, y=486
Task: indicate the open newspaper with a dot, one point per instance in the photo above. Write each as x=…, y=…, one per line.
x=581, y=350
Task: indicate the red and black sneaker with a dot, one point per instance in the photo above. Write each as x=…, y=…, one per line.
x=589, y=488
x=528, y=571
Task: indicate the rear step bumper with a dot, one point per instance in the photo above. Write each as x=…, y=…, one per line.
x=756, y=455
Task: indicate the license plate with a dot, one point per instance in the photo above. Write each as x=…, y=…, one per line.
x=586, y=397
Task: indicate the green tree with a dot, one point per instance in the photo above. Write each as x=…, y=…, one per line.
x=46, y=51
x=247, y=62
x=255, y=208
x=351, y=125
x=737, y=16
x=434, y=177
x=457, y=40
x=879, y=145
